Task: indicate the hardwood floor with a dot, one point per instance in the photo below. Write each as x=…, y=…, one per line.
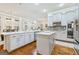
x=1, y=48
x=30, y=49
x=61, y=50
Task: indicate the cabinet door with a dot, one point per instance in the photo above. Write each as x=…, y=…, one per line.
x=27, y=38
x=8, y=22
x=7, y=43
x=50, y=20
x=21, y=40
x=51, y=44
x=13, y=42
x=31, y=37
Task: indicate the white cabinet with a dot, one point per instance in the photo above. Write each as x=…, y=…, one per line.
x=31, y=37
x=10, y=22
x=27, y=38
x=64, y=15
x=21, y=40
x=55, y=17
x=16, y=40
x=50, y=20
x=24, y=25
x=45, y=43
x=13, y=43
x=61, y=35
x=17, y=24
x=68, y=16
x=64, y=19
x=51, y=44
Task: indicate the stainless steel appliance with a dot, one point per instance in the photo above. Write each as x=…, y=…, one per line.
x=70, y=30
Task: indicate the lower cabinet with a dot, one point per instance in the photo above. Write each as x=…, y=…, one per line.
x=15, y=41
x=45, y=44
x=31, y=37
x=27, y=38
x=21, y=40
x=11, y=42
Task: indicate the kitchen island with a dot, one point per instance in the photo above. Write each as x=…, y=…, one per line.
x=45, y=42
x=14, y=40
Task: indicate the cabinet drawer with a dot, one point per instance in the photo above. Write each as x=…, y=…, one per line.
x=13, y=36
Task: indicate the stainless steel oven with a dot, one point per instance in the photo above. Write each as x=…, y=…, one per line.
x=70, y=30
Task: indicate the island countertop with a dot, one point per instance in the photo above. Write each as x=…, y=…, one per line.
x=46, y=33
x=19, y=32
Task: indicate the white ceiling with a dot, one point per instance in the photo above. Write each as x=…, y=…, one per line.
x=30, y=9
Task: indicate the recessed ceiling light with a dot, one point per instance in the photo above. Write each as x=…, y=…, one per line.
x=44, y=10
x=36, y=4
x=62, y=4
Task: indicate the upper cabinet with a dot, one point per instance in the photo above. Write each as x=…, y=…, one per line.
x=10, y=23
x=68, y=16
x=16, y=24
x=57, y=17
x=64, y=15
x=53, y=18
x=24, y=24
x=50, y=20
